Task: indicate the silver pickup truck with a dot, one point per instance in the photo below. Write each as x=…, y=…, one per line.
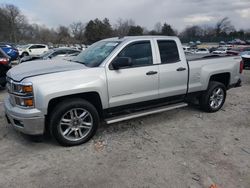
x=115, y=79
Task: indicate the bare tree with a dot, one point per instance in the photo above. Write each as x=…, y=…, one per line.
x=122, y=27
x=77, y=30
x=223, y=26
x=192, y=33
x=158, y=27
x=14, y=21
x=63, y=35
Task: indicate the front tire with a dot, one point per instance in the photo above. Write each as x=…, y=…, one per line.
x=74, y=122
x=214, y=97
x=24, y=54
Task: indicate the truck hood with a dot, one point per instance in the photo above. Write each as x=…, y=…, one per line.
x=41, y=67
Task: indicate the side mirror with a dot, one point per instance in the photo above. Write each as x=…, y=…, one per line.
x=120, y=62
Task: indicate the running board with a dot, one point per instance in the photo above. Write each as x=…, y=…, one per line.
x=144, y=113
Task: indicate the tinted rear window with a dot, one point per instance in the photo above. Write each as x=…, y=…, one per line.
x=168, y=51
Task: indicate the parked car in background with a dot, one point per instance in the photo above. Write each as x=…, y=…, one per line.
x=198, y=42
x=186, y=49
x=238, y=51
x=202, y=51
x=57, y=52
x=220, y=51
x=222, y=43
x=32, y=49
x=237, y=42
x=4, y=67
x=246, y=59
x=10, y=50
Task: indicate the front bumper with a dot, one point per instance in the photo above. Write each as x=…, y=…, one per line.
x=27, y=121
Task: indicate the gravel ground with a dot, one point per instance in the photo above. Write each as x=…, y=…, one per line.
x=180, y=148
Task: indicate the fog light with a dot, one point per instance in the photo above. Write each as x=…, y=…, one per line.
x=28, y=102
x=25, y=102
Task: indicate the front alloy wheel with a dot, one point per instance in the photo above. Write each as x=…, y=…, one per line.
x=76, y=124
x=73, y=122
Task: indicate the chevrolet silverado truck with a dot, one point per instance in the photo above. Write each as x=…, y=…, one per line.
x=113, y=80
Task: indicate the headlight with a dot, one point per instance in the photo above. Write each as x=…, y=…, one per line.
x=21, y=94
x=23, y=88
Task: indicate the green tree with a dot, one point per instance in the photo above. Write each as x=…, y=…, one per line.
x=135, y=30
x=97, y=30
x=167, y=30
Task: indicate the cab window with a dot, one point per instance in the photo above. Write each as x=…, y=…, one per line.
x=139, y=52
x=168, y=51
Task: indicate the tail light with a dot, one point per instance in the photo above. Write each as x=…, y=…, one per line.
x=241, y=66
x=4, y=61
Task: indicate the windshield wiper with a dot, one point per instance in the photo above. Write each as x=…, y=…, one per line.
x=76, y=61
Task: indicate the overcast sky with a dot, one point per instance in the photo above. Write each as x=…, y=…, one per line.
x=178, y=13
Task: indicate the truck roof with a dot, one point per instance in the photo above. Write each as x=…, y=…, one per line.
x=128, y=38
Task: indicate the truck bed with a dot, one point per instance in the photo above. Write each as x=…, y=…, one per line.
x=200, y=70
x=195, y=57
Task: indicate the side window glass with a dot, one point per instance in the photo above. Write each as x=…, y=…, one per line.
x=33, y=47
x=40, y=46
x=168, y=51
x=139, y=52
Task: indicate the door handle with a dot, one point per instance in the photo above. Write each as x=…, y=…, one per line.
x=151, y=72
x=181, y=69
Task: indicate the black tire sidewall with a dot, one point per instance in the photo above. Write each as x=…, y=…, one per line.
x=61, y=109
x=206, y=96
x=25, y=54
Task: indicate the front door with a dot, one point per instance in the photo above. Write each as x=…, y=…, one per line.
x=138, y=82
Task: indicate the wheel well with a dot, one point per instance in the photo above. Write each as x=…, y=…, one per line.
x=223, y=78
x=92, y=97
x=25, y=53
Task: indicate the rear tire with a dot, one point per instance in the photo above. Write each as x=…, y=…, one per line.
x=74, y=122
x=3, y=85
x=214, y=97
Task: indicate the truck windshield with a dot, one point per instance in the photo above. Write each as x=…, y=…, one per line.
x=94, y=55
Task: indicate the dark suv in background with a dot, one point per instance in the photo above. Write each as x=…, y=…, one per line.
x=5, y=65
x=10, y=50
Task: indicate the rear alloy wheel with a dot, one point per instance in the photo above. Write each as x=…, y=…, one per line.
x=74, y=122
x=213, y=99
x=216, y=98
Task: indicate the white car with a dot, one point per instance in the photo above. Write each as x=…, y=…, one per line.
x=32, y=49
x=220, y=51
x=202, y=51
x=186, y=48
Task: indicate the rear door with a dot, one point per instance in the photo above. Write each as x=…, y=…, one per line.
x=136, y=83
x=37, y=49
x=173, y=69
x=33, y=50
x=41, y=49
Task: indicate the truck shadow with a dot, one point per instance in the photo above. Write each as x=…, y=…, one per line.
x=116, y=129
